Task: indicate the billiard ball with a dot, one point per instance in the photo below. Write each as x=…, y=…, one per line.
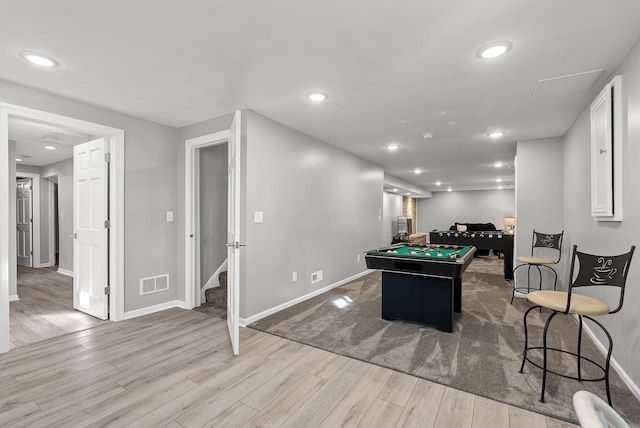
x=433, y=246
x=455, y=247
x=446, y=247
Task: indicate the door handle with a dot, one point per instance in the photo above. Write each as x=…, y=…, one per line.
x=75, y=236
x=235, y=244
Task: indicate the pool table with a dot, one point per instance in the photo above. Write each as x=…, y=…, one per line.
x=421, y=283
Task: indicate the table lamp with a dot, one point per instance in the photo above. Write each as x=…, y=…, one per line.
x=509, y=224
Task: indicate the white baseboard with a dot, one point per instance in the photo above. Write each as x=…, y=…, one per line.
x=44, y=265
x=618, y=368
x=246, y=321
x=155, y=308
x=13, y=297
x=65, y=272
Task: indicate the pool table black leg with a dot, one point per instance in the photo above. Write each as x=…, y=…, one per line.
x=457, y=295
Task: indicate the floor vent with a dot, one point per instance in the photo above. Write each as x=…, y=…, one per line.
x=153, y=284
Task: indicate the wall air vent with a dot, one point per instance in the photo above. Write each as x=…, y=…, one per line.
x=154, y=284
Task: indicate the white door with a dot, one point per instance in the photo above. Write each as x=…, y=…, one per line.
x=233, y=235
x=24, y=222
x=90, y=250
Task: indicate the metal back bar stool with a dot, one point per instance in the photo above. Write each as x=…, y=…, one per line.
x=593, y=271
x=541, y=245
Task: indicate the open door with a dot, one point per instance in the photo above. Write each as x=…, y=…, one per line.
x=24, y=222
x=233, y=234
x=90, y=250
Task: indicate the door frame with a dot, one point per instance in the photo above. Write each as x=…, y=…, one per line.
x=35, y=216
x=115, y=138
x=192, y=213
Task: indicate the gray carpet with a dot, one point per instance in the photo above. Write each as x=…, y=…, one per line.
x=482, y=355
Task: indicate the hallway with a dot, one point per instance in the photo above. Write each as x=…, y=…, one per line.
x=45, y=308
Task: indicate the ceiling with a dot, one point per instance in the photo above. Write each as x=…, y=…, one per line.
x=39, y=143
x=393, y=70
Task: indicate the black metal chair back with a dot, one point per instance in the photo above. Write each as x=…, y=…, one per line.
x=551, y=241
x=600, y=271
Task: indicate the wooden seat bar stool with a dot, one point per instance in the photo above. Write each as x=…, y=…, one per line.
x=542, y=244
x=592, y=271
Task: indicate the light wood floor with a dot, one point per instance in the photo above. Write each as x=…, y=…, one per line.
x=175, y=369
x=45, y=308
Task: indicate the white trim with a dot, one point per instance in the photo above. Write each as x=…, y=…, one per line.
x=191, y=215
x=214, y=281
x=115, y=137
x=44, y=265
x=155, y=308
x=35, y=215
x=249, y=320
x=617, y=367
x=13, y=297
x=65, y=272
x=51, y=215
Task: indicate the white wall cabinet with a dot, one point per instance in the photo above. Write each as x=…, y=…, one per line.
x=607, y=140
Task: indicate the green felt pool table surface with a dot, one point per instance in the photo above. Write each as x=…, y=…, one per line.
x=427, y=251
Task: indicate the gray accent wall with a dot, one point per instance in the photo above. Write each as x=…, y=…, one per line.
x=539, y=200
x=321, y=207
x=391, y=209
x=443, y=209
x=610, y=237
x=213, y=209
x=150, y=189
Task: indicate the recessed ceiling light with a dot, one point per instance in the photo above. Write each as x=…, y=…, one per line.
x=493, y=50
x=499, y=180
x=427, y=135
x=499, y=187
x=438, y=183
x=18, y=160
x=449, y=189
x=407, y=193
x=498, y=164
x=496, y=134
x=39, y=59
x=417, y=171
x=317, y=96
x=395, y=190
x=392, y=147
x=49, y=147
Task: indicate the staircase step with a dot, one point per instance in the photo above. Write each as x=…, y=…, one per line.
x=218, y=295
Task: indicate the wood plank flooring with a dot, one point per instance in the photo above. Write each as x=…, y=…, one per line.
x=45, y=308
x=175, y=369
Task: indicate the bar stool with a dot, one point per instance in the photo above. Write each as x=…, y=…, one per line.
x=542, y=244
x=593, y=271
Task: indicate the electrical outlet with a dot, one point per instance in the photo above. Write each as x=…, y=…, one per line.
x=316, y=276
x=358, y=257
x=294, y=277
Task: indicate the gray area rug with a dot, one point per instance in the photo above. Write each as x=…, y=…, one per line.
x=481, y=356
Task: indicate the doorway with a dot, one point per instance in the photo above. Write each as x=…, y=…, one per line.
x=233, y=236
x=115, y=142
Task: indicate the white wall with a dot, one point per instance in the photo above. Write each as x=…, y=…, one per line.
x=391, y=209
x=610, y=237
x=321, y=207
x=539, y=199
x=213, y=210
x=477, y=206
x=150, y=189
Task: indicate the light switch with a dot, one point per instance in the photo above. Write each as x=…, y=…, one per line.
x=169, y=215
x=257, y=217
